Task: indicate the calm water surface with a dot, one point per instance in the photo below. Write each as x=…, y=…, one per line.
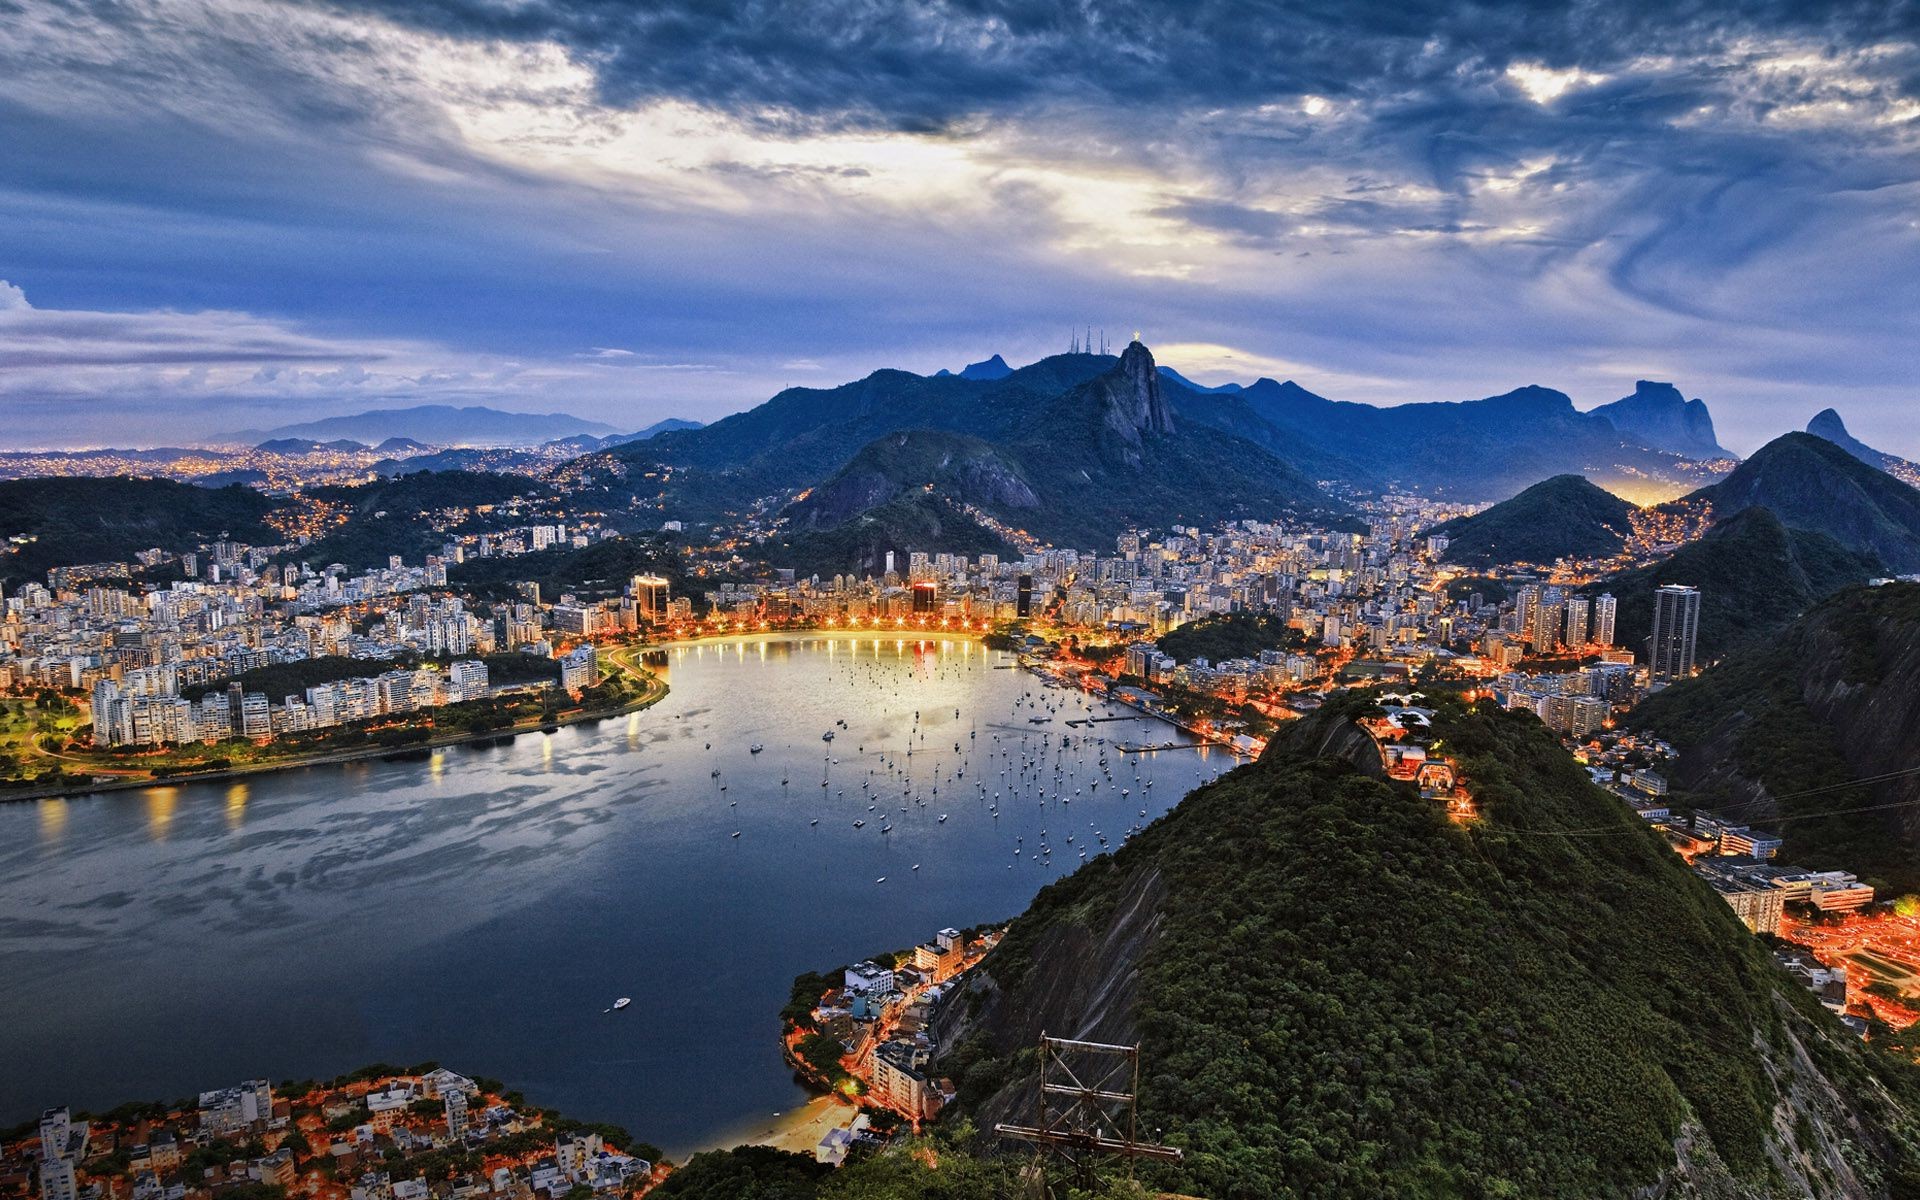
x=483, y=906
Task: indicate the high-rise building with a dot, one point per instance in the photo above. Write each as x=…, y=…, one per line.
x=1577, y=618
x=1023, y=597
x=456, y=1102
x=56, y=1129
x=1676, y=623
x=1603, y=610
x=56, y=1179
x=1547, y=622
x=1525, y=602
x=652, y=594
x=926, y=597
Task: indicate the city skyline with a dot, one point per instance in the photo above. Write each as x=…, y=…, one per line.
x=233, y=215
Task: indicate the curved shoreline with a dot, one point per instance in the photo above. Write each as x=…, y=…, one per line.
x=657, y=690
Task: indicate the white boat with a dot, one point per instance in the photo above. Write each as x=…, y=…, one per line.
x=882, y=879
x=621, y=1003
x=736, y=833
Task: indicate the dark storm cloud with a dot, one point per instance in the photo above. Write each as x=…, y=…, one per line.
x=921, y=66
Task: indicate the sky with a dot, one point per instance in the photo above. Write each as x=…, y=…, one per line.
x=222, y=214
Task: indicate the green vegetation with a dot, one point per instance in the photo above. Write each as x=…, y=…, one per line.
x=1230, y=635
x=26, y=727
x=921, y=1169
x=915, y=520
x=1345, y=994
x=806, y=992
x=410, y=515
x=1561, y=517
x=1812, y=484
x=77, y=519
x=1753, y=718
x=746, y=1173
x=600, y=569
x=1754, y=575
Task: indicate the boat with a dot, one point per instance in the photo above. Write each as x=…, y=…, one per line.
x=621, y=1003
x=755, y=748
x=882, y=879
x=858, y=824
x=827, y=736
x=736, y=833
x=943, y=818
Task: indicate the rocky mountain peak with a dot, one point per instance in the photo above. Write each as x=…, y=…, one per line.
x=1135, y=398
x=1660, y=416
x=1827, y=424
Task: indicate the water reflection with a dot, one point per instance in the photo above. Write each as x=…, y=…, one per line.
x=161, y=801
x=483, y=907
x=53, y=820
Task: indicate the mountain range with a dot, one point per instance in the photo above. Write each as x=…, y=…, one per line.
x=1199, y=456
x=433, y=425
x=1073, y=449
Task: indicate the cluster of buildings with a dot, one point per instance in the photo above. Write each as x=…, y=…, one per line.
x=194, y=631
x=136, y=654
x=884, y=1017
x=358, y=1141
x=142, y=709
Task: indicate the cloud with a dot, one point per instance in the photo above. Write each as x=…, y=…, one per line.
x=12, y=298
x=1395, y=201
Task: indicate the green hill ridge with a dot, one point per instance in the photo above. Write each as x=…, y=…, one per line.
x=1341, y=993
x=1562, y=517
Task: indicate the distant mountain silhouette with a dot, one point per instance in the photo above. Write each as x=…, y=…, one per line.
x=1486, y=449
x=1190, y=385
x=1827, y=424
x=295, y=445
x=1659, y=416
x=1812, y=483
x=1481, y=449
x=434, y=425
x=993, y=368
x=1561, y=517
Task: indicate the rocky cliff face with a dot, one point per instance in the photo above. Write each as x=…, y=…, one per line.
x=1131, y=405
x=1659, y=416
